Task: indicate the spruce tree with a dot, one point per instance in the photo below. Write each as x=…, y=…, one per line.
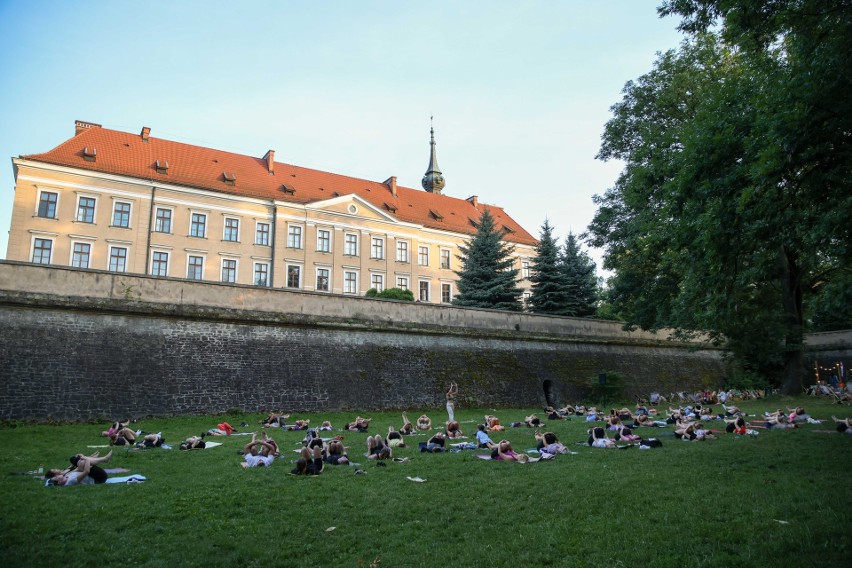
x=487, y=278
x=549, y=289
x=578, y=271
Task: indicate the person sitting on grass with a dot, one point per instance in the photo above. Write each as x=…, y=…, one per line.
x=310, y=462
x=377, y=448
x=454, y=430
x=84, y=470
x=335, y=453
x=407, y=428
x=424, y=422
x=598, y=439
x=482, y=438
x=493, y=423
x=394, y=438
x=151, y=441
x=258, y=453
x=436, y=443
x=193, y=443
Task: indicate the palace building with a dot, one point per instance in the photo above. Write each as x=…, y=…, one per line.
x=124, y=202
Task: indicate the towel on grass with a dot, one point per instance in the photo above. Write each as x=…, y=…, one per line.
x=489, y=458
x=208, y=445
x=135, y=478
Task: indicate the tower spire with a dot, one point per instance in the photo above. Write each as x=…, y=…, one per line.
x=433, y=181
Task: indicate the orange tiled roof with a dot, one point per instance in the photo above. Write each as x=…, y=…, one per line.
x=126, y=154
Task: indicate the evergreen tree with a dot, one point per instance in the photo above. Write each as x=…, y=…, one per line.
x=579, y=279
x=487, y=278
x=549, y=290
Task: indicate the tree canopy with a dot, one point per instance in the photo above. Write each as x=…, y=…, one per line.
x=732, y=211
x=487, y=278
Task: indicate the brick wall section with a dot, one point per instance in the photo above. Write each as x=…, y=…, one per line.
x=101, y=356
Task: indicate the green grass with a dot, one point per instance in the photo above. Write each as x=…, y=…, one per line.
x=716, y=503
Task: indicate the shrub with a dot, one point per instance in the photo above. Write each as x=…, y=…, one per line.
x=391, y=294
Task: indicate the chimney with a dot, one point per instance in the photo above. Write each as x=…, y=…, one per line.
x=391, y=183
x=82, y=126
x=474, y=200
x=270, y=161
x=146, y=131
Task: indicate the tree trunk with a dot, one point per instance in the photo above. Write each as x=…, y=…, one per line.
x=791, y=294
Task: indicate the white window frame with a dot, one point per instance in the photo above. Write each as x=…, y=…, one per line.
x=347, y=287
x=203, y=258
x=375, y=278
x=402, y=282
x=525, y=269
x=192, y=223
x=73, y=252
x=52, y=248
x=403, y=249
x=258, y=233
x=171, y=211
x=446, y=255
x=226, y=230
x=422, y=252
x=154, y=254
x=58, y=195
x=350, y=246
x=111, y=248
x=377, y=248
x=329, y=233
x=115, y=204
x=80, y=197
x=420, y=284
x=254, y=276
x=295, y=236
x=236, y=262
x=301, y=270
x=328, y=287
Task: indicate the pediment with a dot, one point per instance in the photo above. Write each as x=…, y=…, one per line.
x=352, y=206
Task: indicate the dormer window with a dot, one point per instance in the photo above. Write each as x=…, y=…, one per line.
x=435, y=215
x=390, y=207
x=288, y=189
x=90, y=154
x=230, y=178
x=508, y=229
x=162, y=167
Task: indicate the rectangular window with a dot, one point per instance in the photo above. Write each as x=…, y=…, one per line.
x=86, y=210
x=80, y=255
x=323, y=240
x=47, y=204
x=402, y=251
x=351, y=248
x=261, y=274
x=446, y=293
x=117, y=259
x=402, y=282
x=195, y=267
x=163, y=221
x=377, y=249
x=42, y=249
x=424, y=291
x=121, y=214
x=198, y=225
x=525, y=268
x=377, y=281
x=323, y=275
x=261, y=235
x=232, y=230
x=160, y=264
x=229, y=270
x=527, y=299
x=445, y=258
x=294, y=237
x=350, y=282
x=294, y=276
x=423, y=256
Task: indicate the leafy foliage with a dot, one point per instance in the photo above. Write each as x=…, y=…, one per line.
x=487, y=278
x=391, y=294
x=732, y=209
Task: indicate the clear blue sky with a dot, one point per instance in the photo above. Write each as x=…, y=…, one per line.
x=520, y=90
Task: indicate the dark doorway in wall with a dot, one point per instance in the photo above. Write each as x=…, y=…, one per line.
x=549, y=395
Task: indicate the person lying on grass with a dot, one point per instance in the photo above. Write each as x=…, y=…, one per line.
x=482, y=438
x=223, y=429
x=549, y=443
x=625, y=434
x=454, y=429
x=123, y=437
x=274, y=420
x=613, y=422
x=504, y=451
x=424, y=422
x=622, y=413
x=532, y=421
x=377, y=448
x=436, y=443
x=358, y=425
x=844, y=426
x=116, y=426
x=780, y=422
x=84, y=470
x=732, y=411
x=325, y=426
x=258, y=453
x=193, y=443
x=598, y=439
x=310, y=462
x=736, y=426
x=394, y=438
x=407, y=428
x=151, y=441
x=493, y=423
x=335, y=453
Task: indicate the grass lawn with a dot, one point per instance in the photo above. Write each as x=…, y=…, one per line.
x=780, y=497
